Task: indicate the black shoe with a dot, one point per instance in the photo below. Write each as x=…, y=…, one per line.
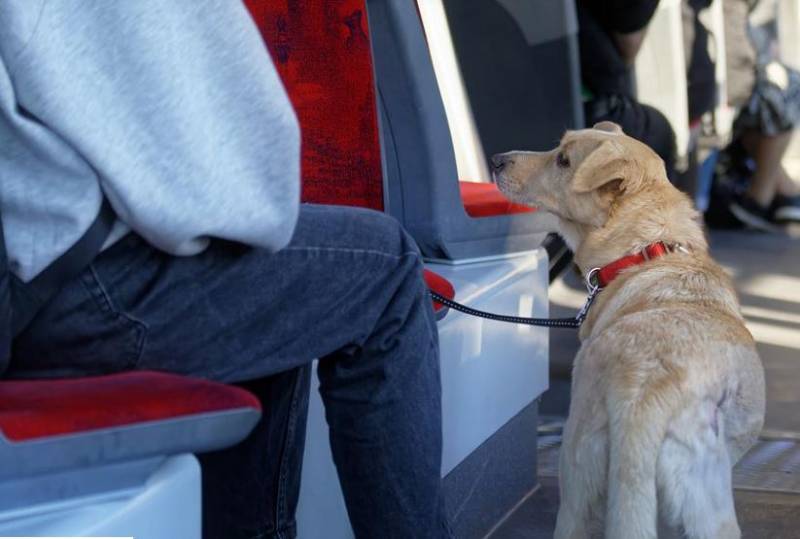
x=786, y=209
x=749, y=212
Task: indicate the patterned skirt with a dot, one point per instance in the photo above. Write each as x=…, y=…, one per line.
x=774, y=106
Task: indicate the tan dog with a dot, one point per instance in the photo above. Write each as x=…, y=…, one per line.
x=667, y=390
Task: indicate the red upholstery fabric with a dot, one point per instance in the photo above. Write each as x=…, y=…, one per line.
x=322, y=52
x=486, y=200
x=440, y=285
x=38, y=409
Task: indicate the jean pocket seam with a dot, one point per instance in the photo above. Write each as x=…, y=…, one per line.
x=93, y=284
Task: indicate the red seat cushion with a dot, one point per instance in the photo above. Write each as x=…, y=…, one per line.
x=441, y=286
x=322, y=52
x=42, y=408
x=486, y=200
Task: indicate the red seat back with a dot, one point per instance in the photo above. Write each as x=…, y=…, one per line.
x=322, y=52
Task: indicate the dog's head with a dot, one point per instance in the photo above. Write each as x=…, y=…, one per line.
x=581, y=180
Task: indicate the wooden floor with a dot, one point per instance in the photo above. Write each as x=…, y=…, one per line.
x=761, y=515
x=766, y=270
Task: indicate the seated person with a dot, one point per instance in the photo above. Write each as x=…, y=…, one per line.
x=767, y=95
x=177, y=116
x=611, y=34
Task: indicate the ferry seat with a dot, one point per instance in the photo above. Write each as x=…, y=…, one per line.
x=421, y=175
x=327, y=71
x=332, y=60
x=112, y=455
x=509, y=75
x=515, y=63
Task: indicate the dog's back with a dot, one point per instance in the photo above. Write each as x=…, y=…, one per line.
x=683, y=398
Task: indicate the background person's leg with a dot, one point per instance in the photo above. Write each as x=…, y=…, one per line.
x=787, y=187
x=348, y=289
x=754, y=205
x=786, y=204
x=767, y=152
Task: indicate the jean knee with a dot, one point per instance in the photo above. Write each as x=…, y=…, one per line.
x=384, y=232
x=357, y=229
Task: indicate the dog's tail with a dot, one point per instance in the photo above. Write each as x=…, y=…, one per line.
x=637, y=430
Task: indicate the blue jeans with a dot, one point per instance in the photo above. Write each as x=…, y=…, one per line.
x=347, y=290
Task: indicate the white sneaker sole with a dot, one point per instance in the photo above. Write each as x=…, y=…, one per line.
x=753, y=221
x=788, y=213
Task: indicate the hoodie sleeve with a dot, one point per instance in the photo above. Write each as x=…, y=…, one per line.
x=177, y=108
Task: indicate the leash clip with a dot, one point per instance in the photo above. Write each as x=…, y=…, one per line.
x=593, y=286
x=592, y=282
x=581, y=316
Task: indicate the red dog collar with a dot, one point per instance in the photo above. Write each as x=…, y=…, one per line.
x=601, y=277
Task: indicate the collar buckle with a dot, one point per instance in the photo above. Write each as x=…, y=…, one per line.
x=592, y=280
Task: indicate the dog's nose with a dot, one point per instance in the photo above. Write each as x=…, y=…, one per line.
x=499, y=161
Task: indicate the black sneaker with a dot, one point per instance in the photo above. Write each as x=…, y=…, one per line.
x=749, y=212
x=786, y=209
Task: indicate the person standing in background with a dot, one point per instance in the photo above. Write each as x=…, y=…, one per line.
x=767, y=96
x=611, y=34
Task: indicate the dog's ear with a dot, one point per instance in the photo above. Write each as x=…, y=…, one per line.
x=606, y=164
x=608, y=127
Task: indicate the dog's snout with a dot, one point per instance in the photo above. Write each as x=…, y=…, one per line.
x=499, y=162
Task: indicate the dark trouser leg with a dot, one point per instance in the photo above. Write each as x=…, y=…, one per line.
x=348, y=290
x=244, y=493
x=385, y=411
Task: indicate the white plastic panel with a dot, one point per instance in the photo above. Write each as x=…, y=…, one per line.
x=661, y=72
x=490, y=372
x=167, y=506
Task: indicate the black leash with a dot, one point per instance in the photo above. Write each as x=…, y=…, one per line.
x=566, y=323
x=592, y=286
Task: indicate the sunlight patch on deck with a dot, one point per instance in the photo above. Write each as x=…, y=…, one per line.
x=773, y=315
x=774, y=335
x=782, y=288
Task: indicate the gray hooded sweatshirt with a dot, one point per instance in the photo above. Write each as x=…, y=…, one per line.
x=172, y=109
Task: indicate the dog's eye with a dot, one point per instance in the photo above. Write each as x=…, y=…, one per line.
x=562, y=160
